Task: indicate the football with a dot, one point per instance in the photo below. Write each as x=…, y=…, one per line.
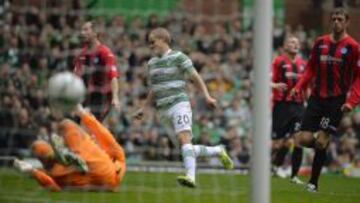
x=65, y=90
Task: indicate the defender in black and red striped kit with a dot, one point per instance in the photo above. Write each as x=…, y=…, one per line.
x=334, y=68
x=97, y=66
x=288, y=109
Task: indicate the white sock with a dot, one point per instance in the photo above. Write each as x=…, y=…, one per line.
x=189, y=160
x=201, y=150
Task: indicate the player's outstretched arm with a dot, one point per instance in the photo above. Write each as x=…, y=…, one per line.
x=91, y=123
x=199, y=82
x=70, y=158
x=102, y=135
x=148, y=102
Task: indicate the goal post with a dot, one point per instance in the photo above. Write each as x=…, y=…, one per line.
x=262, y=43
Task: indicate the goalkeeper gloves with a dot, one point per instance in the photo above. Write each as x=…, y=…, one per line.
x=65, y=156
x=70, y=158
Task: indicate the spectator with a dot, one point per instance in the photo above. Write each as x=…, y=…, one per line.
x=35, y=44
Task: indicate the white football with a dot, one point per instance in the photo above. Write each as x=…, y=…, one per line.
x=66, y=90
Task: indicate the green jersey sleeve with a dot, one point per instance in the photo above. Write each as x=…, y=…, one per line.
x=185, y=64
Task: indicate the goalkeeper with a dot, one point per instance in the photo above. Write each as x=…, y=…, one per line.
x=96, y=164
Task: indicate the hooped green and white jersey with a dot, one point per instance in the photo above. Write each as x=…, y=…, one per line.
x=167, y=78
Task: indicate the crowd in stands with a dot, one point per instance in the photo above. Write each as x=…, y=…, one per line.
x=35, y=43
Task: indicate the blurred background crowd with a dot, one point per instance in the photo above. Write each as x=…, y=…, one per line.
x=34, y=44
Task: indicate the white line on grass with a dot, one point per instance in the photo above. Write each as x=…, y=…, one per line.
x=176, y=189
x=34, y=199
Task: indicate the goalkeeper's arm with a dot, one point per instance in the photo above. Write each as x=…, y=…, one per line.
x=66, y=157
x=70, y=158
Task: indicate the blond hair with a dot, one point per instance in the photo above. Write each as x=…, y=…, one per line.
x=161, y=33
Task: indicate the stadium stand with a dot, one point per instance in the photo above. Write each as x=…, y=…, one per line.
x=35, y=43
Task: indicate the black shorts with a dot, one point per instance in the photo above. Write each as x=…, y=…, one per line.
x=286, y=119
x=99, y=104
x=323, y=114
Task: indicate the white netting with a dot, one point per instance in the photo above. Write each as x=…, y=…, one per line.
x=39, y=38
x=42, y=37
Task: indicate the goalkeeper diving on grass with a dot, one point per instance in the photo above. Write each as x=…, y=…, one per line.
x=91, y=160
x=168, y=71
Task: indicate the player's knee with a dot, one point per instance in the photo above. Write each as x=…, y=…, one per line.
x=65, y=125
x=42, y=149
x=297, y=139
x=303, y=138
x=320, y=144
x=288, y=143
x=322, y=141
x=184, y=137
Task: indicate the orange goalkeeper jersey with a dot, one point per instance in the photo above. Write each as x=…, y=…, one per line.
x=104, y=157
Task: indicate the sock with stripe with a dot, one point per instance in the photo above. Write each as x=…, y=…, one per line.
x=188, y=154
x=205, y=151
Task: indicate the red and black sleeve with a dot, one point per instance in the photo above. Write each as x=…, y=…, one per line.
x=354, y=94
x=110, y=64
x=310, y=69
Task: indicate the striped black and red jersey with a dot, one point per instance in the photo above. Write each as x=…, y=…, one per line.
x=332, y=67
x=288, y=71
x=97, y=68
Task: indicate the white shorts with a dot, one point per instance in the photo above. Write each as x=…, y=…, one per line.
x=178, y=117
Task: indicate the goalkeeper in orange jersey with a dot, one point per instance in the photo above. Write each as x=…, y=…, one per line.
x=95, y=162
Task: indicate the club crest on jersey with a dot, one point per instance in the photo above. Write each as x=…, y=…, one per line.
x=302, y=68
x=343, y=50
x=96, y=60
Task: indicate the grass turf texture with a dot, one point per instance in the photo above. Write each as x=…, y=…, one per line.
x=162, y=187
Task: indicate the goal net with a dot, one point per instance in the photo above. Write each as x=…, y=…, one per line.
x=40, y=38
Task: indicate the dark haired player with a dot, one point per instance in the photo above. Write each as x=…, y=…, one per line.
x=333, y=67
x=97, y=66
x=288, y=109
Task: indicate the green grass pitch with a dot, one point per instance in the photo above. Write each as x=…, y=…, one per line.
x=161, y=187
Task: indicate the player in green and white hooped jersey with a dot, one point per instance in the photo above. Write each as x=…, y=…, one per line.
x=168, y=71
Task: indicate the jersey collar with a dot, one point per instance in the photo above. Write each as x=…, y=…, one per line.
x=166, y=53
